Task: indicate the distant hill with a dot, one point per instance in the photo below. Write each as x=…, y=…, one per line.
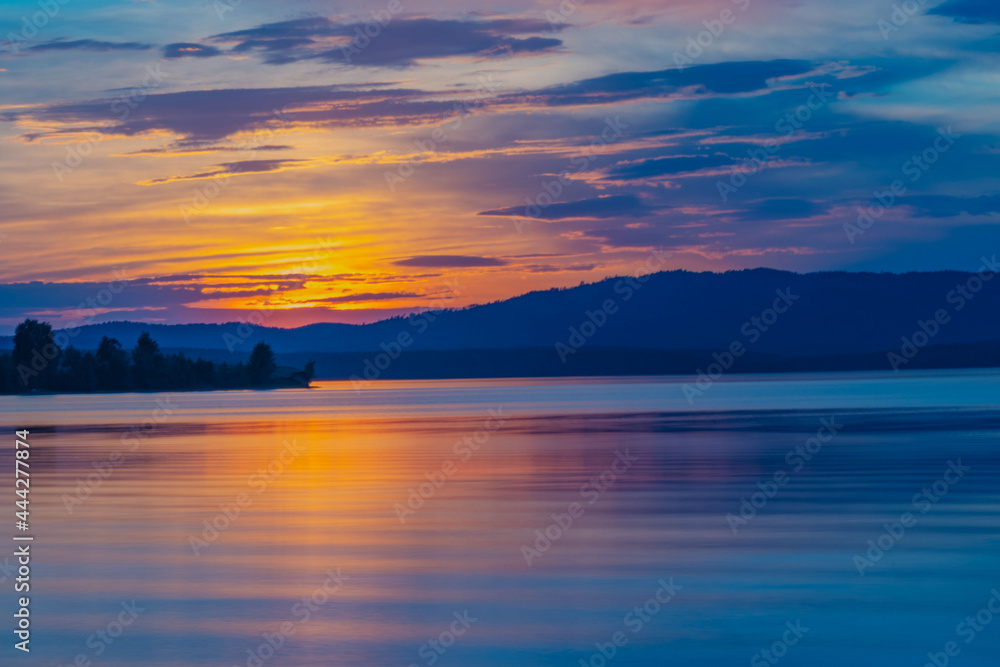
x=830, y=314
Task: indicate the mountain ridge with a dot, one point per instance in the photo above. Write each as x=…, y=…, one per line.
x=833, y=312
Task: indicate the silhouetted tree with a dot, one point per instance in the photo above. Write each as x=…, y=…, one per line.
x=112, y=365
x=38, y=363
x=78, y=371
x=36, y=355
x=261, y=364
x=203, y=373
x=240, y=376
x=7, y=382
x=181, y=372
x=148, y=363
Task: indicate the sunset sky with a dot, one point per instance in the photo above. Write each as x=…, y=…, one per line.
x=220, y=157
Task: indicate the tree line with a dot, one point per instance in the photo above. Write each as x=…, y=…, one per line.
x=38, y=363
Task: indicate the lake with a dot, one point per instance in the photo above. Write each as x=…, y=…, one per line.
x=830, y=519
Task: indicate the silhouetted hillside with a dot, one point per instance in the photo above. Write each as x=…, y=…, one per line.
x=835, y=313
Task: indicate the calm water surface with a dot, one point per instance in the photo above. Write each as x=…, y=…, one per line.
x=331, y=479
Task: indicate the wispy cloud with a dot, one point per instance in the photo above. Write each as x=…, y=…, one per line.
x=449, y=261
x=89, y=45
x=398, y=42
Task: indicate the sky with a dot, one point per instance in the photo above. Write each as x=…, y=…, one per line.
x=314, y=161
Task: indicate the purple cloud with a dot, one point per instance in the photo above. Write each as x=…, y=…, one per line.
x=449, y=261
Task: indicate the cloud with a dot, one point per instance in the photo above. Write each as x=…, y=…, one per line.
x=90, y=45
x=649, y=236
x=610, y=206
x=368, y=296
x=449, y=261
x=189, y=50
x=723, y=78
x=77, y=298
x=786, y=208
x=183, y=149
x=552, y=268
x=210, y=115
x=397, y=42
x=969, y=11
x=233, y=169
x=667, y=165
x=943, y=206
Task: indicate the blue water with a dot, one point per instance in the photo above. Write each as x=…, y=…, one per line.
x=328, y=473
